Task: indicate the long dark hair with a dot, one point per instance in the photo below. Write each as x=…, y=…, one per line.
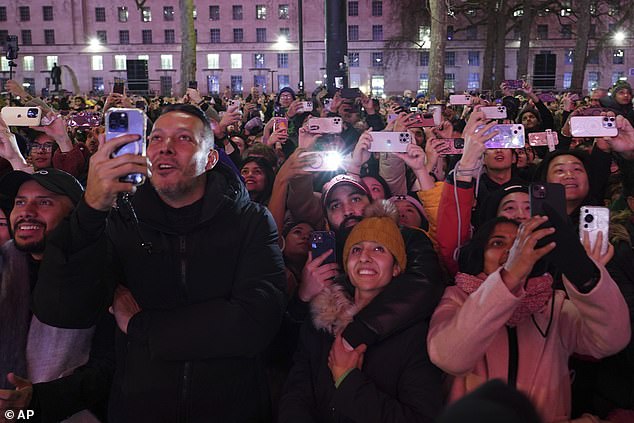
x=471, y=258
x=263, y=197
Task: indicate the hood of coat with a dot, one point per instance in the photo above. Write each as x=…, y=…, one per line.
x=332, y=309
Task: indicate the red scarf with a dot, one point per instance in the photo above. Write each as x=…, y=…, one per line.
x=537, y=292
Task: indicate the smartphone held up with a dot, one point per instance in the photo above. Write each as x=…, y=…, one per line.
x=123, y=121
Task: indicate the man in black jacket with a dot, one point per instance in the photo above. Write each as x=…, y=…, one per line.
x=191, y=267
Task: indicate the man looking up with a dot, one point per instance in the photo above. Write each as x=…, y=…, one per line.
x=192, y=268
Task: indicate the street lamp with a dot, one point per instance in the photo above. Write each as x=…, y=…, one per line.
x=619, y=36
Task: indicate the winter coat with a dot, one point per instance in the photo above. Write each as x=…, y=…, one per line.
x=468, y=338
x=397, y=382
x=211, y=299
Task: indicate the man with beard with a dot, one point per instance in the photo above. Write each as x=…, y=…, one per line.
x=191, y=267
x=414, y=294
x=33, y=355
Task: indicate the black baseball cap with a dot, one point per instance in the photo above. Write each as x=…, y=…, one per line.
x=54, y=180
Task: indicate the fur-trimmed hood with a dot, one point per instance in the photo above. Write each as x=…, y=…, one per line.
x=332, y=309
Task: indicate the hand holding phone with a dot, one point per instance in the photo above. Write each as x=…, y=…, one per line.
x=121, y=121
x=21, y=116
x=320, y=242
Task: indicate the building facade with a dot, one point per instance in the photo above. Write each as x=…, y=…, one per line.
x=240, y=44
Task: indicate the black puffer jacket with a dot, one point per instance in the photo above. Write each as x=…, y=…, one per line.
x=212, y=298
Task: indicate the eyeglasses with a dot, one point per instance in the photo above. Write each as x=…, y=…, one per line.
x=47, y=147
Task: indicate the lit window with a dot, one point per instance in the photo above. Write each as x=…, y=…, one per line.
x=28, y=63
x=474, y=81
x=353, y=60
x=213, y=61
x=260, y=12
x=144, y=57
x=146, y=14
x=97, y=63
x=50, y=61
x=4, y=64
x=474, y=58
x=236, y=61
x=166, y=61
x=567, y=80
x=377, y=59
x=122, y=13
x=168, y=13
x=120, y=62
x=258, y=60
x=282, y=11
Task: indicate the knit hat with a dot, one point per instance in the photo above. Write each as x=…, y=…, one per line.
x=349, y=179
x=529, y=109
x=419, y=207
x=379, y=225
x=620, y=85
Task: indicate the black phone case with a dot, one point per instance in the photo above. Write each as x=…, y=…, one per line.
x=322, y=241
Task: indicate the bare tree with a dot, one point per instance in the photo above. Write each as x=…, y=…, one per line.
x=581, y=46
x=438, y=11
x=489, y=49
x=188, y=44
x=526, y=24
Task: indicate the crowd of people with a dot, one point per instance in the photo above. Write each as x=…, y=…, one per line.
x=202, y=294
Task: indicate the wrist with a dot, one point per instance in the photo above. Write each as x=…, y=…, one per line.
x=64, y=143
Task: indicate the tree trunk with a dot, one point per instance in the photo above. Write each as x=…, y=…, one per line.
x=500, y=45
x=188, y=44
x=438, y=42
x=581, y=46
x=525, y=34
x=489, y=49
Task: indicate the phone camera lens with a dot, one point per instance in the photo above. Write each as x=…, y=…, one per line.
x=588, y=218
x=585, y=226
x=31, y=113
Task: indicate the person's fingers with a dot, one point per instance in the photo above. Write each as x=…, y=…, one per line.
x=538, y=253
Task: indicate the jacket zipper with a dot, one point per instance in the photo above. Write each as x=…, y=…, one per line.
x=183, y=411
x=513, y=356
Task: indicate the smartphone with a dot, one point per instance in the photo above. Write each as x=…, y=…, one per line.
x=193, y=84
x=118, y=87
x=391, y=117
x=322, y=161
x=121, y=121
x=332, y=125
x=84, y=120
x=322, y=241
x=453, y=146
x=280, y=123
x=595, y=220
x=350, y=93
x=420, y=120
x=593, y=126
x=327, y=102
x=536, y=139
x=436, y=110
x=21, y=116
x=509, y=136
x=541, y=193
x=460, y=99
x=235, y=104
x=389, y=142
x=414, y=109
x=514, y=84
x=494, y=112
x=305, y=106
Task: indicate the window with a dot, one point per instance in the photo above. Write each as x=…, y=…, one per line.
x=260, y=35
x=236, y=84
x=3, y=13
x=145, y=57
x=50, y=60
x=237, y=12
x=566, y=9
x=236, y=61
x=25, y=13
x=194, y=12
x=29, y=85
x=146, y=14
x=377, y=85
x=353, y=60
x=97, y=63
x=472, y=32
x=170, y=36
x=569, y=57
x=260, y=12
x=613, y=9
x=450, y=58
x=26, y=37
x=214, y=13
x=49, y=37
x=377, y=59
x=286, y=32
x=4, y=64
x=120, y=62
x=168, y=13
x=593, y=57
x=450, y=81
x=567, y=80
x=28, y=63
x=474, y=81
x=450, y=32
x=617, y=76
x=566, y=31
x=282, y=11
x=542, y=32
x=97, y=85
x=353, y=8
x=618, y=56
x=258, y=60
x=167, y=61
x=122, y=14
x=283, y=81
x=355, y=80
x=473, y=58
x=146, y=36
x=238, y=35
x=282, y=60
x=124, y=37
x=47, y=13
x=213, y=84
x=353, y=32
x=166, y=85
x=377, y=8
x=213, y=61
x=423, y=82
x=102, y=36
x=593, y=80
x=377, y=32
x=423, y=58
x=215, y=35
x=100, y=14
x=260, y=81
